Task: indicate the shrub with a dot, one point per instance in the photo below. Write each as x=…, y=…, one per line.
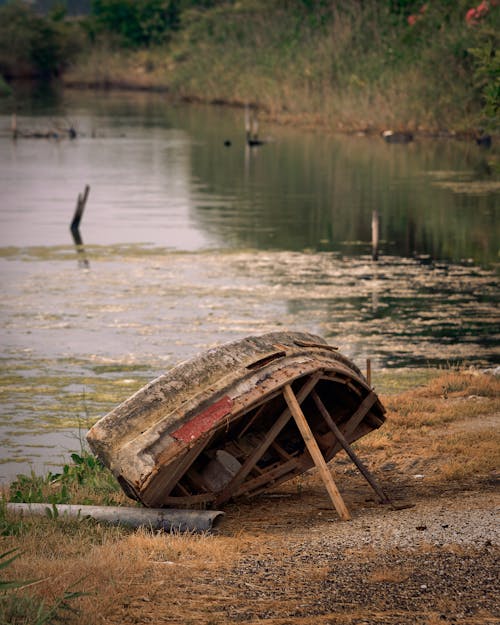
x=136, y=23
x=32, y=45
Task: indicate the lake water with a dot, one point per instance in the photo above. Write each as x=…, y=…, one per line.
x=188, y=243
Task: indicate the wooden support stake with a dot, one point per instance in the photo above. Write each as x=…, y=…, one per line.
x=315, y=452
x=80, y=207
x=261, y=449
x=349, y=450
x=354, y=421
x=369, y=371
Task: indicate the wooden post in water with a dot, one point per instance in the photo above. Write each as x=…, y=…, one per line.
x=369, y=371
x=375, y=233
x=80, y=207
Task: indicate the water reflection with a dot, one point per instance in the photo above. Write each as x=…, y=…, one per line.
x=319, y=193
x=163, y=173
x=83, y=261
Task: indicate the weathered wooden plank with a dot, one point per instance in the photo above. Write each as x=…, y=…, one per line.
x=201, y=423
x=182, y=500
x=271, y=475
x=261, y=449
x=163, y=481
x=316, y=454
x=305, y=464
x=281, y=452
x=348, y=449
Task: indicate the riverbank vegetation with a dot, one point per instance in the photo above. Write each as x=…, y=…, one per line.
x=354, y=65
x=440, y=440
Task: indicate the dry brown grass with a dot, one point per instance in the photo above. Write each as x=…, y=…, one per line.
x=450, y=397
x=451, y=424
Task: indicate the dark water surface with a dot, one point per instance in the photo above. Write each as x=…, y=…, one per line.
x=189, y=243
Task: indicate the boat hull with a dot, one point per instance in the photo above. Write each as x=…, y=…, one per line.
x=218, y=426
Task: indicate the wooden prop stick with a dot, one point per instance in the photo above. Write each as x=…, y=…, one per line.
x=349, y=450
x=354, y=421
x=315, y=452
x=261, y=449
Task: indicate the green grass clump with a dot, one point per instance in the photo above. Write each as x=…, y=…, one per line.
x=84, y=480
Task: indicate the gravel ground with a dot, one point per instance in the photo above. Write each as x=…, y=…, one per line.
x=434, y=563
x=470, y=520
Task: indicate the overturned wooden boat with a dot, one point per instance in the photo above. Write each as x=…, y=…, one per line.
x=237, y=420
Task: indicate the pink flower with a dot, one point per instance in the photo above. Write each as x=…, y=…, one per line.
x=471, y=16
x=412, y=20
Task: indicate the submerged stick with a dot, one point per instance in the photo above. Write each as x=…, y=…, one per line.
x=80, y=207
x=156, y=518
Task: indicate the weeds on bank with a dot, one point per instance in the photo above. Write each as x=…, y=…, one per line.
x=468, y=454
x=85, y=480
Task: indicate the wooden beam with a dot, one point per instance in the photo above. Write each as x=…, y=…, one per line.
x=270, y=476
x=315, y=452
x=261, y=449
x=354, y=421
x=281, y=452
x=349, y=450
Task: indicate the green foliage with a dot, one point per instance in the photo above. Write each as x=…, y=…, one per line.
x=136, y=23
x=487, y=80
x=397, y=61
x=32, y=45
x=84, y=479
